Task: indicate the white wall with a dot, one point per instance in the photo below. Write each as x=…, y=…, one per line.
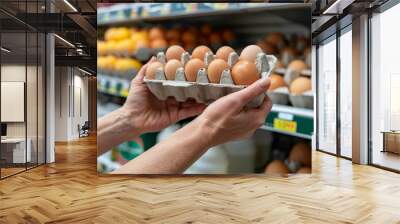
x=71, y=93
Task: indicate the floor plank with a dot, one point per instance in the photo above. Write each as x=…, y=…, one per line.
x=70, y=191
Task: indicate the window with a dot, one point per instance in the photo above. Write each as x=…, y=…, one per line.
x=385, y=87
x=327, y=95
x=346, y=92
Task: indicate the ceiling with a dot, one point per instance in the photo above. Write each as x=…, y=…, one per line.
x=22, y=20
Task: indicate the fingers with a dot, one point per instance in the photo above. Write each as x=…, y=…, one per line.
x=249, y=93
x=142, y=72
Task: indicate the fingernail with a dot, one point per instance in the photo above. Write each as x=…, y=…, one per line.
x=264, y=82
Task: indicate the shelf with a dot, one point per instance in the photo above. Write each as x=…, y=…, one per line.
x=282, y=119
x=156, y=12
x=113, y=85
x=289, y=120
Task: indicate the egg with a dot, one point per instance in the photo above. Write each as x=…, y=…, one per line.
x=301, y=153
x=304, y=169
x=245, y=73
x=200, y=51
x=228, y=35
x=277, y=39
x=205, y=29
x=215, y=70
x=276, y=82
x=152, y=68
x=300, y=85
x=171, y=67
x=156, y=33
x=297, y=65
x=288, y=53
x=277, y=167
x=189, y=37
x=224, y=52
x=215, y=38
x=250, y=52
x=173, y=34
x=192, y=67
x=174, y=52
x=159, y=43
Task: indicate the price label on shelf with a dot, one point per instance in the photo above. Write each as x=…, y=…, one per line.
x=285, y=125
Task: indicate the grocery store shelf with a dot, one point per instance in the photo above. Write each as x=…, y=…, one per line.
x=137, y=13
x=289, y=120
x=113, y=85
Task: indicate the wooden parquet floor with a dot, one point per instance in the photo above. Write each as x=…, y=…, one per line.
x=70, y=191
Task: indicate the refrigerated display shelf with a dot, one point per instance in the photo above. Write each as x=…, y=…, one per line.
x=289, y=120
x=136, y=13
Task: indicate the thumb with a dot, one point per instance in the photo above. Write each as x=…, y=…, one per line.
x=247, y=94
x=142, y=72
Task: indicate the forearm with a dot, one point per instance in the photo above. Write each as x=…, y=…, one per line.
x=114, y=129
x=173, y=155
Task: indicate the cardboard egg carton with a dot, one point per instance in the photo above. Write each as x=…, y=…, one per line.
x=305, y=100
x=202, y=91
x=279, y=95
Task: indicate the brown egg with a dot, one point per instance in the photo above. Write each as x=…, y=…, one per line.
x=173, y=34
x=192, y=67
x=300, y=85
x=297, y=65
x=223, y=52
x=171, y=67
x=215, y=69
x=205, y=29
x=200, y=51
x=174, y=42
x=245, y=73
x=304, y=169
x=267, y=47
x=174, y=52
x=288, y=52
x=189, y=37
x=159, y=43
x=152, y=68
x=215, y=38
x=301, y=153
x=276, y=82
x=156, y=33
x=277, y=167
x=228, y=35
x=275, y=39
x=250, y=52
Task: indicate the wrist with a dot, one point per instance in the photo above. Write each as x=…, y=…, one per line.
x=204, y=132
x=127, y=122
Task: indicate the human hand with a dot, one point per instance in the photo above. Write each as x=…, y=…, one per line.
x=147, y=113
x=227, y=118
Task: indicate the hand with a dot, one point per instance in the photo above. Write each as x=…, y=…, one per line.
x=148, y=114
x=227, y=118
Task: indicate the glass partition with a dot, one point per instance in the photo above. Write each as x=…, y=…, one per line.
x=346, y=92
x=327, y=95
x=385, y=89
x=22, y=89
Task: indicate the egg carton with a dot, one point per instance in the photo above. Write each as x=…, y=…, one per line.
x=290, y=74
x=202, y=91
x=305, y=100
x=279, y=96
